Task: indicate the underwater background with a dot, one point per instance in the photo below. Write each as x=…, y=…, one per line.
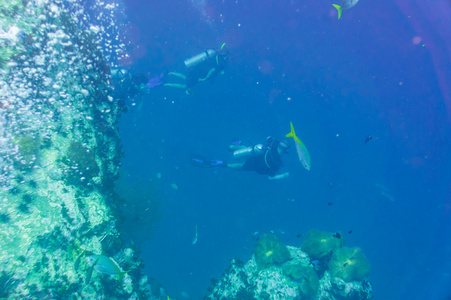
x=369, y=95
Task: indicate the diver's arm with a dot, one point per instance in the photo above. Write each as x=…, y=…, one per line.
x=209, y=75
x=279, y=176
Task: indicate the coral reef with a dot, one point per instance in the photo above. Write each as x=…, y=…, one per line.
x=270, y=251
x=320, y=245
x=296, y=278
x=349, y=264
x=59, y=158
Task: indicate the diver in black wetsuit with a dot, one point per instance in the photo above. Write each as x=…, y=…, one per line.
x=126, y=84
x=263, y=159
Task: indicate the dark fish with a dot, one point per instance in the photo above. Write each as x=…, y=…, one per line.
x=368, y=138
x=330, y=203
x=350, y=231
x=337, y=235
x=346, y=263
x=298, y=235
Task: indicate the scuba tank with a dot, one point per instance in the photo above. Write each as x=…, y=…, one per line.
x=245, y=153
x=201, y=57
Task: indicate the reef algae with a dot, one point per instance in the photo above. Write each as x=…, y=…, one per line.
x=59, y=157
x=295, y=278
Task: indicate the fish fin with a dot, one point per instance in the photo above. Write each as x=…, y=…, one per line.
x=77, y=261
x=340, y=10
x=89, y=274
x=291, y=134
x=121, y=274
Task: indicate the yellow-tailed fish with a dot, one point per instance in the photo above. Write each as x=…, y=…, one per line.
x=303, y=154
x=105, y=265
x=345, y=4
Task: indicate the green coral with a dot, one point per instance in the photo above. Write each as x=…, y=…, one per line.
x=349, y=264
x=270, y=251
x=320, y=245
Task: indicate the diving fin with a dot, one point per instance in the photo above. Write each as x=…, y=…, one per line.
x=156, y=81
x=203, y=162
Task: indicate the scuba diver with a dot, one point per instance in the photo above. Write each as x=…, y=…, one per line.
x=202, y=67
x=126, y=84
x=263, y=159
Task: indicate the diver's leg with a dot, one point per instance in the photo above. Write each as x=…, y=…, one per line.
x=233, y=148
x=176, y=85
x=178, y=75
x=235, y=166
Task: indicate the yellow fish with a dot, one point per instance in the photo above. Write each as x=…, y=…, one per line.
x=346, y=4
x=105, y=265
x=304, y=156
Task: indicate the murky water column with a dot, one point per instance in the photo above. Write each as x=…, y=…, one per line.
x=60, y=153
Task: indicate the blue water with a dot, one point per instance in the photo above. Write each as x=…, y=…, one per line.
x=383, y=70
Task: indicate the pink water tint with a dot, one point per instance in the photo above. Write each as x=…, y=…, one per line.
x=430, y=18
x=416, y=40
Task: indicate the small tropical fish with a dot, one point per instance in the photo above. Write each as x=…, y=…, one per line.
x=345, y=4
x=348, y=261
x=368, y=138
x=105, y=265
x=303, y=154
x=314, y=263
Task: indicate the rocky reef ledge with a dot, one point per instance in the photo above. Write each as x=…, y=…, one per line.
x=59, y=157
x=322, y=268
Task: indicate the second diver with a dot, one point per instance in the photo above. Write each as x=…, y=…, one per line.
x=265, y=159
